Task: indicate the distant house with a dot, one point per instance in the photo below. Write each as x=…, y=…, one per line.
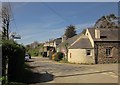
x=95, y=46
x=50, y=47
x=34, y=44
x=53, y=43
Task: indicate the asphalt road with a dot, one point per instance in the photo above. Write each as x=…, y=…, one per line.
x=48, y=71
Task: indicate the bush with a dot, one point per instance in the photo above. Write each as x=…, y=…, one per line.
x=58, y=56
x=53, y=56
x=15, y=54
x=33, y=52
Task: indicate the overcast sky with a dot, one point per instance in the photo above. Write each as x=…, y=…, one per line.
x=38, y=21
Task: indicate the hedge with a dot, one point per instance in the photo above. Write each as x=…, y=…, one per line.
x=58, y=56
x=15, y=54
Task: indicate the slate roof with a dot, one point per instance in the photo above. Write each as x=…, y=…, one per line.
x=57, y=40
x=110, y=33
x=82, y=43
x=70, y=40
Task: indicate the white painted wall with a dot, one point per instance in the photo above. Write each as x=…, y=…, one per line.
x=91, y=41
x=79, y=56
x=90, y=37
x=52, y=44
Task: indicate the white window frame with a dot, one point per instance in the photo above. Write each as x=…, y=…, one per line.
x=108, y=52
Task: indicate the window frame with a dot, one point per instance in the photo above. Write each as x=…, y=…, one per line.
x=108, y=52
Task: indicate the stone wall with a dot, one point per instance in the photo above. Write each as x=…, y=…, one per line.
x=100, y=52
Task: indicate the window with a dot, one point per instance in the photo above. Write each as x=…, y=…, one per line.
x=70, y=55
x=103, y=36
x=88, y=52
x=108, y=51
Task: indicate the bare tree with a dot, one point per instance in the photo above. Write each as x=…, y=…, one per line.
x=5, y=20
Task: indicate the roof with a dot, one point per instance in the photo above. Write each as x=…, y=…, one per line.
x=82, y=43
x=110, y=33
x=58, y=40
x=69, y=41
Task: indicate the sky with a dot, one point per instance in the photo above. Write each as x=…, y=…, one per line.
x=41, y=21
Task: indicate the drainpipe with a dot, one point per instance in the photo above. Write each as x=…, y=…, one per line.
x=96, y=56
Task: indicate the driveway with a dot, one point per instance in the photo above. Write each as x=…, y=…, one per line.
x=48, y=71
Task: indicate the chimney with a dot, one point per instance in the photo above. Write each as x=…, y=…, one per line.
x=63, y=38
x=97, y=33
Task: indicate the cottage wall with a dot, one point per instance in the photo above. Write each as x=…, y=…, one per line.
x=90, y=37
x=79, y=56
x=100, y=52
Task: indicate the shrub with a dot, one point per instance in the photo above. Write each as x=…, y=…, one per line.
x=58, y=56
x=53, y=56
x=33, y=52
x=15, y=54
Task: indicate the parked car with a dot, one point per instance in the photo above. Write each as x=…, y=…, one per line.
x=27, y=57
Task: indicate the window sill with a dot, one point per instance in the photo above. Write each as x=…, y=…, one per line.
x=108, y=57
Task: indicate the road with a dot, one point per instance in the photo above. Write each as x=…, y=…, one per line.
x=48, y=71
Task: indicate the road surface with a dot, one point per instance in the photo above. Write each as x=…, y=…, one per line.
x=48, y=71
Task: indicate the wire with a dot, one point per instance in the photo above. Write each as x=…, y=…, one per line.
x=13, y=18
x=54, y=11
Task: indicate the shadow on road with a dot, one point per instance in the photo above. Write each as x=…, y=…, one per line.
x=29, y=61
x=31, y=77
x=84, y=74
x=39, y=78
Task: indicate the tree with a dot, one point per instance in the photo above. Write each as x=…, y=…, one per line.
x=5, y=20
x=108, y=21
x=84, y=31
x=70, y=31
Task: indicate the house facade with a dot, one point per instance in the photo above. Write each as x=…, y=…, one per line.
x=50, y=47
x=81, y=51
x=106, y=44
x=97, y=45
